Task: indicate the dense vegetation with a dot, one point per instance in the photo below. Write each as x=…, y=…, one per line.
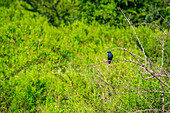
x=56, y=62
x=102, y=11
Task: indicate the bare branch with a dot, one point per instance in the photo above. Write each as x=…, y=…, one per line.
x=162, y=43
x=163, y=99
x=143, y=90
x=143, y=51
x=146, y=110
x=157, y=74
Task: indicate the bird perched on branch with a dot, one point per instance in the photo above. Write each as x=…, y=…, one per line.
x=110, y=56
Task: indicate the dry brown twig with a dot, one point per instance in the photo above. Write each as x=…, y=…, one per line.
x=143, y=51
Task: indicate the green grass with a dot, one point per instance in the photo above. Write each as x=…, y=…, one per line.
x=43, y=68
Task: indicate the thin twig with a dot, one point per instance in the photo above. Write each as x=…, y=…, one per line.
x=146, y=110
x=163, y=99
x=157, y=74
x=162, y=43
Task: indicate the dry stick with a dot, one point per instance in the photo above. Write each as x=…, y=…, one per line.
x=139, y=88
x=124, y=54
x=163, y=99
x=147, y=92
x=143, y=51
x=157, y=74
x=144, y=90
x=138, y=24
x=162, y=53
x=139, y=111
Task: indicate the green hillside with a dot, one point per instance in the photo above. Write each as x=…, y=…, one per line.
x=62, y=67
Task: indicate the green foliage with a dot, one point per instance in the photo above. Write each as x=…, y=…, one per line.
x=45, y=68
x=6, y=3
x=102, y=11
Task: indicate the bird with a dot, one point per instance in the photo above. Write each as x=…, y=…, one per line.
x=110, y=56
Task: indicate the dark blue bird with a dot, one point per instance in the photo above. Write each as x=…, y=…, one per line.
x=110, y=56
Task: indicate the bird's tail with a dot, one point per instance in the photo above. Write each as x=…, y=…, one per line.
x=109, y=62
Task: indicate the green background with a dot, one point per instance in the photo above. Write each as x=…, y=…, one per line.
x=52, y=53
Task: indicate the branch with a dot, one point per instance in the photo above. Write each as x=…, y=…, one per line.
x=157, y=74
x=162, y=43
x=142, y=66
x=139, y=111
x=143, y=51
x=144, y=90
x=153, y=73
